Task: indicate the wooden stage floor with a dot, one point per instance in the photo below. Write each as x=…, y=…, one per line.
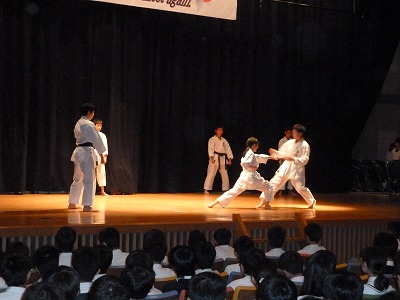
x=38, y=212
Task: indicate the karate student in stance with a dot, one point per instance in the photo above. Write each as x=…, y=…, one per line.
x=101, y=167
x=249, y=179
x=84, y=157
x=296, y=153
x=220, y=155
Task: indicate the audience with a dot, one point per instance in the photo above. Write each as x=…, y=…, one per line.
x=241, y=245
x=388, y=243
x=65, y=240
x=207, y=286
x=43, y=291
x=196, y=238
x=394, y=228
x=343, y=286
x=66, y=279
x=205, y=256
x=313, y=233
x=138, y=281
x=107, y=287
x=221, y=238
x=276, y=236
x=110, y=237
x=105, y=258
x=291, y=265
x=276, y=288
x=45, y=259
x=85, y=261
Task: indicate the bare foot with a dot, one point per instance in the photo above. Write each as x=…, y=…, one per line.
x=73, y=206
x=312, y=206
x=206, y=192
x=104, y=194
x=89, y=209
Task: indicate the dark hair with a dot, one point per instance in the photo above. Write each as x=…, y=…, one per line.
x=243, y=244
x=276, y=288
x=205, y=255
x=86, y=108
x=251, y=260
x=15, y=269
x=343, y=286
x=394, y=228
x=393, y=295
x=299, y=128
x=291, y=261
x=397, y=265
x=105, y=257
x=319, y=265
x=264, y=269
x=43, y=291
x=67, y=279
x=139, y=258
x=85, y=261
x=107, y=287
x=218, y=126
x=222, y=236
x=375, y=259
x=45, y=259
x=97, y=121
x=387, y=242
x=155, y=244
x=138, y=281
x=110, y=237
x=313, y=231
x=17, y=247
x=276, y=236
x=182, y=260
x=249, y=143
x=65, y=239
x=196, y=237
x=207, y=286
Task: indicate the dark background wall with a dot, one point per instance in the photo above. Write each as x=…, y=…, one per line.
x=161, y=81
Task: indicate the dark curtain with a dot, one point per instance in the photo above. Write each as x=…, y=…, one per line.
x=161, y=81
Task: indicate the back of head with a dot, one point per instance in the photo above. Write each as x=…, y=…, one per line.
x=182, y=260
x=45, y=259
x=205, y=255
x=85, y=261
x=394, y=228
x=387, y=242
x=243, y=244
x=67, y=279
x=300, y=128
x=110, y=237
x=251, y=141
x=276, y=236
x=276, y=288
x=313, y=231
x=85, y=108
x=375, y=259
x=17, y=247
x=207, y=286
x=139, y=258
x=107, y=287
x=43, y=291
x=15, y=269
x=291, y=261
x=65, y=239
x=155, y=244
x=319, y=265
x=196, y=237
x=222, y=236
x=251, y=260
x=263, y=270
x=138, y=281
x=105, y=257
x=343, y=286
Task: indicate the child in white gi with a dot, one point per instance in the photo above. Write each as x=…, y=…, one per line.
x=249, y=179
x=101, y=166
x=220, y=155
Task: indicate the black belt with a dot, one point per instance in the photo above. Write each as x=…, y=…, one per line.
x=219, y=158
x=88, y=144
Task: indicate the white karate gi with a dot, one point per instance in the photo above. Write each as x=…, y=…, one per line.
x=84, y=158
x=294, y=170
x=249, y=179
x=221, y=146
x=101, y=168
x=289, y=184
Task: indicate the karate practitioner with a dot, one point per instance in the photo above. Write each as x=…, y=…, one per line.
x=84, y=157
x=287, y=136
x=101, y=167
x=296, y=153
x=220, y=154
x=249, y=179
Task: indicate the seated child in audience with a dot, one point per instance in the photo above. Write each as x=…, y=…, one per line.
x=276, y=288
x=222, y=237
x=388, y=243
x=43, y=291
x=67, y=279
x=182, y=260
x=85, y=261
x=276, y=236
x=265, y=269
x=205, y=256
x=343, y=286
x=207, y=286
x=241, y=245
x=155, y=244
x=110, y=237
x=65, y=240
x=313, y=233
x=195, y=238
x=105, y=259
x=45, y=260
x=394, y=228
x=373, y=264
x=138, y=281
x=291, y=265
x=107, y=287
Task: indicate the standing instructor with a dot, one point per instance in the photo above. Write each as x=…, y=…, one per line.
x=84, y=157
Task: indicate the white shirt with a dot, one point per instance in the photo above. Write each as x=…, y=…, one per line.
x=154, y=291
x=311, y=249
x=224, y=251
x=232, y=268
x=119, y=258
x=162, y=272
x=198, y=271
x=369, y=288
x=297, y=279
x=282, y=141
x=220, y=146
x=85, y=287
x=65, y=259
x=245, y=281
x=275, y=252
x=300, y=152
x=12, y=293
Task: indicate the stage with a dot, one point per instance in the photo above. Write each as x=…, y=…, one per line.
x=40, y=215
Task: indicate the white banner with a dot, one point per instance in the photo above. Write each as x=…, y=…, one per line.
x=223, y=9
